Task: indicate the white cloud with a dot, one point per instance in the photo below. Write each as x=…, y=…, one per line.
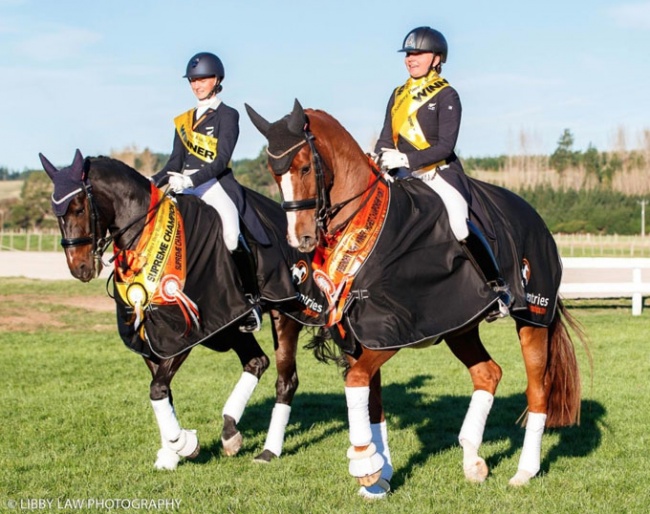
x=633, y=15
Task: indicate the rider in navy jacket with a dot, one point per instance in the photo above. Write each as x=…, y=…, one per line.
x=419, y=137
x=204, y=142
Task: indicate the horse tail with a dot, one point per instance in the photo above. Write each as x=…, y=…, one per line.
x=563, y=375
x=325, y=350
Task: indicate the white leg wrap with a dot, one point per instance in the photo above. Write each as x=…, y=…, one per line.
x=366, y=462
x=279, y=421
x=531, y=453
x=471, y=433
x=380, y=439
x=240, y=395
x=166, y=417
x=357, y=399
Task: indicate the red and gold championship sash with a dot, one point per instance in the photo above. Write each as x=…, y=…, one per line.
x=335, y=267
x=154, y=272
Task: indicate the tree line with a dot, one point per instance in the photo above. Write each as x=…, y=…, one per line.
x=592, y=205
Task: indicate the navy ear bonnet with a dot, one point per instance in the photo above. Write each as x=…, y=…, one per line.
x=285, y=136
x=68, y=182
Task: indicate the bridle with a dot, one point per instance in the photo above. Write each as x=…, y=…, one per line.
x=98, y=242
x=325, y=211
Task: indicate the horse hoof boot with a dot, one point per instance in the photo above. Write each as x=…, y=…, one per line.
x=265, y=457
x=167, y=459
x=521, y=478
x=232, y=446
x=369, y=480
x=477, y=472
x=195, y=453
x=378, y=491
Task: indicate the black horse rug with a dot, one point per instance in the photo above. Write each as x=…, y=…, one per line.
x=212, y=297
x=418, y=284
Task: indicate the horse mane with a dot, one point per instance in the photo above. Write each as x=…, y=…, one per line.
x=340, y=145
x=115, y=168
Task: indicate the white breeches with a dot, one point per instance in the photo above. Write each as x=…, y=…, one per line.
x=456, y=206
x=215, y=196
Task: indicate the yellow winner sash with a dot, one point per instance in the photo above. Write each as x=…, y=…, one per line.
x=154, y=272
x=200, y=145
x=408, y=99
x=336, y=267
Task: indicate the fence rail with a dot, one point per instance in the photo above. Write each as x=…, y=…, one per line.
x=607, y=278
x=570, y=245
x=49, y=241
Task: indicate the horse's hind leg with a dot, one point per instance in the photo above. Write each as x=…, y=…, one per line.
x=175, y=441
x=255, y=363
x=534, y=347
x=486, y=375
x=285, y=342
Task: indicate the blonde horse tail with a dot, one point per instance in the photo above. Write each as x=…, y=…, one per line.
x=563, y=375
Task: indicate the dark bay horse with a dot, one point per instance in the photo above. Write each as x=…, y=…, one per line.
x=395, y=277
x=177, y=287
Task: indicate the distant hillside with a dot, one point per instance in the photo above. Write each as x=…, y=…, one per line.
x=10, y=189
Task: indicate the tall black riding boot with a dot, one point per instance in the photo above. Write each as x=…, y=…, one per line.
x=480, y=254
x=245, y=262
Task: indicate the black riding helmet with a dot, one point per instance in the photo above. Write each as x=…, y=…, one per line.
x=425, y=39
x=204, y=64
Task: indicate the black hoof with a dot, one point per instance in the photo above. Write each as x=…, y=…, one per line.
x=265, y=457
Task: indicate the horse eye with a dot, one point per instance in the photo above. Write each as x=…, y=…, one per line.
x=305, y=169
x=80, y=211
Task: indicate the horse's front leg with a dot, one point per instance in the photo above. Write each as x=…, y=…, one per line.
x=285, y=343
x=176, y=442
x=486, y=375
x=254, y=363
x=368, y=454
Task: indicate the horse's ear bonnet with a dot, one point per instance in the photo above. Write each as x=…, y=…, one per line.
x=67, y=181
x=286, y=136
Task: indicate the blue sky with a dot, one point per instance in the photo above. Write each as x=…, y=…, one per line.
x=101, y=75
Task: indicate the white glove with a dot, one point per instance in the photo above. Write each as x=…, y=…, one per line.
x=390, y=159
x=179, y=182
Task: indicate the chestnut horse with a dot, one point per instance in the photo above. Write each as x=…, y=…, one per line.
x=326, y=182
x=99, y=201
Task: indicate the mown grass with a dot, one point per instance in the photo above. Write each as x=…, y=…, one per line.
x=77, y=424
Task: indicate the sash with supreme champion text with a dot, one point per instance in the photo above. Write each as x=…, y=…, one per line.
x=200, y=145
x=408, y=99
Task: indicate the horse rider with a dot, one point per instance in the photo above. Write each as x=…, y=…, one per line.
x=204, y=140
x=418, y=139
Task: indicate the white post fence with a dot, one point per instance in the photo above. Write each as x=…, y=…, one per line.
x=605, y=277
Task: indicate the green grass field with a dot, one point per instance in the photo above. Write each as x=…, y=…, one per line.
x=78, y=427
